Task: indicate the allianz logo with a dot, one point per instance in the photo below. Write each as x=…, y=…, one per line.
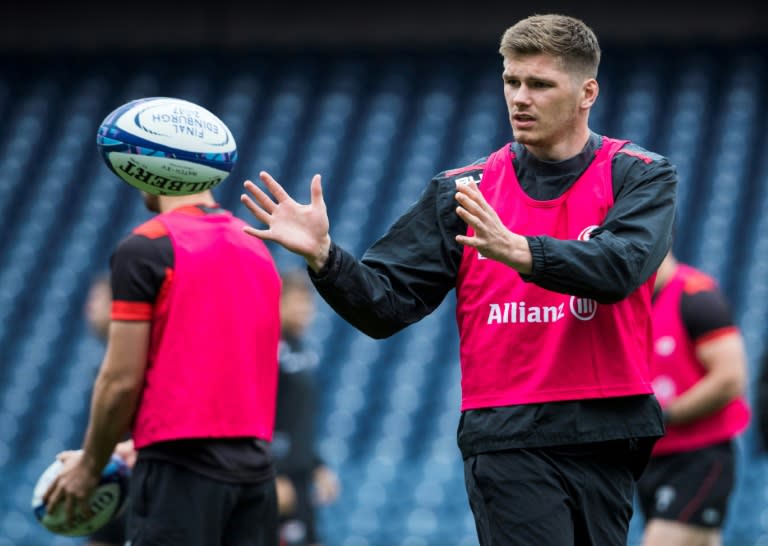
x=518, y=312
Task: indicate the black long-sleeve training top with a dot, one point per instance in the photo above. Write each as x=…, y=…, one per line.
x=408, y=272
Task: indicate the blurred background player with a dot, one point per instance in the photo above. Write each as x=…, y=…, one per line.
x=193, y=373
x=304, y=481
x=98, y=306
x=699, y=373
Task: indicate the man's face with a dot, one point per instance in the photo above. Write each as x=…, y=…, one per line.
x=297, y=309
x=98, y=307
x=546, y=104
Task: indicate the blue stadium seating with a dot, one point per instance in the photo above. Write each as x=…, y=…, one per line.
x=377, y=125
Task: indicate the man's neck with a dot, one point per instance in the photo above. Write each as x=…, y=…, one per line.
x=565, y=149
x=171, y=202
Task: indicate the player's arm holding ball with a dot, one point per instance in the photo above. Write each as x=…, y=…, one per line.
x=113, y=405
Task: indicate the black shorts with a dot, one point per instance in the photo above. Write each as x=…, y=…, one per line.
x=578, y=495
x=169, y=504
x=690, y=487
x=114, y=532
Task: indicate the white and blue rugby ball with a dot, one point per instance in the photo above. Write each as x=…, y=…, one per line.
x=167, y=146
x=107, y=500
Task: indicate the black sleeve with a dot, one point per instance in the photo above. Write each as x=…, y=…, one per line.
x=704, y=312
x=138, y=268
x=405, y=275
x=627, y=248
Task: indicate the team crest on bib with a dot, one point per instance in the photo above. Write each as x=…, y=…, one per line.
x=586, y=233
x=665, y=346
x=583, y=308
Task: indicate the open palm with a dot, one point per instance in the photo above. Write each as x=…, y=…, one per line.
x=302, y=229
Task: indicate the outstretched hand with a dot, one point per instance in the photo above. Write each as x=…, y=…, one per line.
x=302, y=229
x=491, y=237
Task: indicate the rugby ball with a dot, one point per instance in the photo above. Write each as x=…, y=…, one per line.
x=166, y=146
x=107, y=500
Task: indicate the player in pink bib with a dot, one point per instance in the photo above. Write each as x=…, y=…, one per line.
x=551, y=243
x=699, y=374
x=191, y=371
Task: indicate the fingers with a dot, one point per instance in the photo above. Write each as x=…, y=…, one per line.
x=258, y=233
x=69, y=507
x=260, y=196
x=467, y=241
x=256, y=210
x=469, y=218
x=85, y=507
x=470, y=188
x=72, y=503
x=474, y=209
x=64, y=456
x=56, y=495
x=316, y=190
x=274, y=188
x=51, y=496
x=470, y=198
x=471, y=209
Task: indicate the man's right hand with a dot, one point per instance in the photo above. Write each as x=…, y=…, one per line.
x=302, y=229
x=127, y=452
x=286, y=495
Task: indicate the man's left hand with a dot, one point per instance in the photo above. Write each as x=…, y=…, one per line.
x=74, y=484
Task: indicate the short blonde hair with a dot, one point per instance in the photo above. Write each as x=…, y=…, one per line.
x=567, y=38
